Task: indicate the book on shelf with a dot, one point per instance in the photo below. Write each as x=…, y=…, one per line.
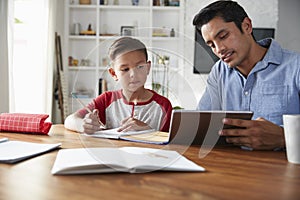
x=123, y=159
x=15, y=151
x=145, y=136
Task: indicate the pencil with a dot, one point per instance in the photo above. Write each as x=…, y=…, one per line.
x=85, y=107
x=132, y=111
x=81, y=103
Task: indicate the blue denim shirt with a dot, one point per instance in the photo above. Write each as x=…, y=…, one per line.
x=270, y=90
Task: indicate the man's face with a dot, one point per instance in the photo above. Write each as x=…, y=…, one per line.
x=227, y=41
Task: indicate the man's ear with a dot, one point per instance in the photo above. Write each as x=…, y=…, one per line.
x=247, y=25
x=112, y=72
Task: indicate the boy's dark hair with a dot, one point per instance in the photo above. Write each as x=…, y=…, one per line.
x=229, y=11
x=124, y=45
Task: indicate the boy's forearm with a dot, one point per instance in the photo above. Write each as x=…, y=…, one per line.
x=74, y=123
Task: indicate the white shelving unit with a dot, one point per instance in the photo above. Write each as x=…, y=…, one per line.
x=151, y=24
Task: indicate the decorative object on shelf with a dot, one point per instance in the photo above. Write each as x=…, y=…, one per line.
x=135, y=2
x=127, y=30
x=155, y=2
x=70, y=61
x=89, y=31
x=77, y=28
x=85, y=62
x=172, y=33
x=160, y=32
x=84, y=1
x=103, y=2
x=116, y=2
x=166, y=2
x=174, y=3
x=74, y=62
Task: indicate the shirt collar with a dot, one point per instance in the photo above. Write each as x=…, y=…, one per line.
x=274, y=52
x=273, y=55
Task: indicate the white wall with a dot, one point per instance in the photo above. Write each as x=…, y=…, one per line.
x=4, y=85
x=288, y=33
x=262, y=13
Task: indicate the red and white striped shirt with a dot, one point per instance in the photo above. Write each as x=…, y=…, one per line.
x=113, y=108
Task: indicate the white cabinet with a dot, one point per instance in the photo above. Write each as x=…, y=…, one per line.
x=85, y=51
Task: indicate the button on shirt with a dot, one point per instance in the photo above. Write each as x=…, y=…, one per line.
x=270, y=90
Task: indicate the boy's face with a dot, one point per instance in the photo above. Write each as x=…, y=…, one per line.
x=131, y=69
x=227, y=41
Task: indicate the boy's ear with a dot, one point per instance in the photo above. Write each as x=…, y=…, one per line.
x=113, y=73
x=148, y=67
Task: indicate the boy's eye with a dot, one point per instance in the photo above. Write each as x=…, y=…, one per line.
x=140, y=66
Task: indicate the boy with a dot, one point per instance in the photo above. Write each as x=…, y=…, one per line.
x=131, y=108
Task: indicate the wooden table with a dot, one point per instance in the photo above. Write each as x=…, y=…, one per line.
x=231, y=173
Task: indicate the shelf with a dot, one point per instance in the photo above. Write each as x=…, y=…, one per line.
x=78, y=6
x=144, y=18
x=86, y=68
x=165, y=38
x=118, y=7
x=82, y=37
x=166, y=8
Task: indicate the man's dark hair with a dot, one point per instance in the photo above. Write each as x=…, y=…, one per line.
x=229, y=11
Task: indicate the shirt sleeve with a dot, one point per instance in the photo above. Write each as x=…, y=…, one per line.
x=167, y=118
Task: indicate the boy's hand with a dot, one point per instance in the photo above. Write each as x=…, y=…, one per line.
x=133, y=124
x=91, y=122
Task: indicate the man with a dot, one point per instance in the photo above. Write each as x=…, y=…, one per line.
x=257, y=76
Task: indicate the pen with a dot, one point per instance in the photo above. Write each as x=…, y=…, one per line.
x=87, y=109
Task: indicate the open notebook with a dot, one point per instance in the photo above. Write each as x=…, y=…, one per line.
x=186, y=127
x=146, y=136
x=123, y=159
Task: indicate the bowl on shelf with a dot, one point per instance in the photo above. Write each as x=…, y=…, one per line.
x=84, y=1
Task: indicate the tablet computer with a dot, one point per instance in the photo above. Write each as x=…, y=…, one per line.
x=201, y=127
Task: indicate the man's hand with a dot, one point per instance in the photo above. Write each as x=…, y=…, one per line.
x=258, y=134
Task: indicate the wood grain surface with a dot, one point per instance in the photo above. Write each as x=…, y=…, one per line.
x=231, y=173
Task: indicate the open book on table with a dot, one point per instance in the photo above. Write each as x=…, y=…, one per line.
x=15, y=151
x=146, y=136
x=123, y=159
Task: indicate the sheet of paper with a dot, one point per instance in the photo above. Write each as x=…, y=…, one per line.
x=14, y=151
